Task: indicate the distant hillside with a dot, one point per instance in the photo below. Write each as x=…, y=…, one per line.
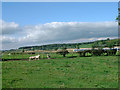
x=115, y=42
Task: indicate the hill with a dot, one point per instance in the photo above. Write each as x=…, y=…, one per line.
x=104, y=43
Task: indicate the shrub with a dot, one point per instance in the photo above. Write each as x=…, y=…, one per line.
x=118, y=53
x=62, y=52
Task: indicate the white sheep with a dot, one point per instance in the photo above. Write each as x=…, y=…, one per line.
x=34, y=57
x=48, y=56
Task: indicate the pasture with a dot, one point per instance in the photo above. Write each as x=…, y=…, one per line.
x=42, y=56
x=59, y=72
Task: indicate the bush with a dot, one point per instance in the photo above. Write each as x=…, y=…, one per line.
x=97, y=52
x=118, y=53
x=62, y=52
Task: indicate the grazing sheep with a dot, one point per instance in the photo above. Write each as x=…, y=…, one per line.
x=34, y=57
x=48, y=56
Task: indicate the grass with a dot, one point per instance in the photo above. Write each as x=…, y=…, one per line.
x=42, y=56
x=86, y=46
x=80, y=72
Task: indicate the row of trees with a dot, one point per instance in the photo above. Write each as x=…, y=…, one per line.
x=102, y=45
x=53, y=46
x=93, y=52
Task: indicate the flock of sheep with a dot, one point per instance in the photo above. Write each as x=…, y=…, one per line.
x=37, y=57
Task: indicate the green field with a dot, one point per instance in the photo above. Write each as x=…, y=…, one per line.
x=86, y=46
x=78, y=72
x=42, y=56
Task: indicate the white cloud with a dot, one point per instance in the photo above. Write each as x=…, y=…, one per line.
x=58, y=32
x=8, y=27
x=63, y=31
x=7, y=40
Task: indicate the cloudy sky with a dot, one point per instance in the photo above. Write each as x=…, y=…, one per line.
x=30, y=23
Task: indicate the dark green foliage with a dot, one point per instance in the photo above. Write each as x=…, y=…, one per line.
x=83, y=53
x=108, y=39
x=56, y=49
x=23, y=50
x=77, y=46
x=111, y=52
x=118, y=18
x=62, y=52
x=93, y=47
x=110, y=44
x=97, y=52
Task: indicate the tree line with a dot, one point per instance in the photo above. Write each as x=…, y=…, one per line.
x=96, y=44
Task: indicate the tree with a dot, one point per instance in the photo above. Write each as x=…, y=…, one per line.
x=108, y=39
x=56, y=49
x=93, y=47
x=23, y=50
x=110, y=45
x=103, y=42
x=63, y=52
x=118, y=18
x=33, y=49
x=77, y=46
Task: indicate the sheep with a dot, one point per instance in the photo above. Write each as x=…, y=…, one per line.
x=34, y=57
x=48, y=56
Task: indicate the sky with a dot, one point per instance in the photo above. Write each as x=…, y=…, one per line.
x=38, y=23
x=32, y=13
x=60, y=0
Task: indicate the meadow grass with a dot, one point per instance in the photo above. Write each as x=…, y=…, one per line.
x=79, y=72
x=86, y=46
x=42, y=56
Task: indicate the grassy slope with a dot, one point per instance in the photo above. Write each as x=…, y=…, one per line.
x=82, y=44
x=80, y=72
x=86, y=46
